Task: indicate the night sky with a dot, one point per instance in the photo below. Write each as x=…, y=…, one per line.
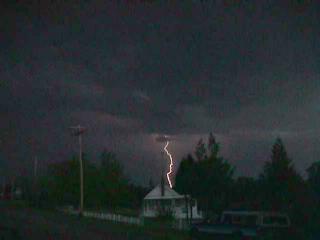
x=131, y=71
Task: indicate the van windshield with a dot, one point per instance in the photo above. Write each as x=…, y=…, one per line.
x=275, y=220
x=244, y=220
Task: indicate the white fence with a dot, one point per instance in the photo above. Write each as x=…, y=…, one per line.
x=107, y=216
x=113, y=217
x=180, y=224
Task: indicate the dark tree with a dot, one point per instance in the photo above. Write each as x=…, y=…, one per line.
x=112, y=181
x=151, y=184
x=110, y=163
x=104, y=186
x=213, y=146
x=214, y=181
x=63, y=181
x=185, y=180
x=201, y=150
x=208, y=180
x=313, y=182
x=314, y=179
x=279, y=180
x=244, y=194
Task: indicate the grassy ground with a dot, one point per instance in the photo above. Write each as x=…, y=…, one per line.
x=21, y=222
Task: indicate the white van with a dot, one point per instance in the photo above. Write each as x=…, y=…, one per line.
x=255, y=218
x=249, y=224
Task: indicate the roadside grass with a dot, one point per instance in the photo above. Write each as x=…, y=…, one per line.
x=155, y=231
x=48, y=220
x=13, y=204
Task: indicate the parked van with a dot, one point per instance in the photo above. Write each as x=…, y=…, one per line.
x=247, y=224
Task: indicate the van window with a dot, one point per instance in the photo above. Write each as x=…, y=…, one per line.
x=251, y=220
x=227, y=219
x=237, y=219
x=275, y=220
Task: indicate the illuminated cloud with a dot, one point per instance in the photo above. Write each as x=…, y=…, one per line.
x=163, y=138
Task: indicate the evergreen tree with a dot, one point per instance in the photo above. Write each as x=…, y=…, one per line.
x=185, y=180
x=209, y=179
x=113, y=184
x=314, y=179
x=312, y=209
x=215, y=177
x=279, y=180
x=245, y=194
x=151, y=184
x=213, y=146
x=201, y=150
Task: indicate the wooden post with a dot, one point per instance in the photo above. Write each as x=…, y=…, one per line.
x=12, y=189
x=81, y=176
x=187, y=208
x=191, y=206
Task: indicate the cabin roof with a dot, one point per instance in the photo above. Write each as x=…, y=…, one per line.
x=168, y=193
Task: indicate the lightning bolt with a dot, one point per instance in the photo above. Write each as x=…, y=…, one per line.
x=171, y=163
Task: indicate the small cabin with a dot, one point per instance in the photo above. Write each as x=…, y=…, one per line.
x=164, y=200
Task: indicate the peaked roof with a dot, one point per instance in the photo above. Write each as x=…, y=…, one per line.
x=168, y=193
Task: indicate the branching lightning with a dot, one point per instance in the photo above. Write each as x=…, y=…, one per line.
x=171, y=163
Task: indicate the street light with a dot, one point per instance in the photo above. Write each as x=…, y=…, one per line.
x=78, y=131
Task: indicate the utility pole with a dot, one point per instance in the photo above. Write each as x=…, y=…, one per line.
x=35, y=167
x=162, y=184
x=78, y=131
x=3, y=188
x=191, y=207
x=187, y=208
x=12, y=188
x=35, y=189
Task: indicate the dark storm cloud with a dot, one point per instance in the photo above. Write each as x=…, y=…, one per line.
x=248, y=72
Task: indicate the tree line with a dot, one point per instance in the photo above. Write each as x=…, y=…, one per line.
x=105, y=185
x=210, y=179
x=205, y=175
